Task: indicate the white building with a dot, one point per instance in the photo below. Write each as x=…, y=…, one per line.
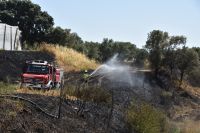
x=10, y=37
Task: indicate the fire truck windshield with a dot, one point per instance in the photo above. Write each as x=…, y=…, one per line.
x=39, y=69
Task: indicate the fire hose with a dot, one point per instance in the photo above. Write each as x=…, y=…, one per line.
x=31, y=102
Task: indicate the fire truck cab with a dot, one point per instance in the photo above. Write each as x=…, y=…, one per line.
x=41, y=74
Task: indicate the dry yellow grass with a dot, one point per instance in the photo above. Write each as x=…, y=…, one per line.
x=185, y=86
x=39, y=92
x=195, y=91
x=190, y=127
x=187, y=126
x=69, y=59
x=54, y=93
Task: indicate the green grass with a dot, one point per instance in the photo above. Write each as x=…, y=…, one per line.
x=6, y=88
x=89, y=93
x=144, y=118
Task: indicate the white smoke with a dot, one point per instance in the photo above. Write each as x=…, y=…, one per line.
x=115, y=71
x=123, y=76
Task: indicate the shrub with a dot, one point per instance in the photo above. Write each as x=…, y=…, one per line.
x=144, y=118
x=89, y=93
x=166, y=97
x=194, y=77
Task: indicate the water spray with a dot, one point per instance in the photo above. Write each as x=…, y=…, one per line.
x=114, y=70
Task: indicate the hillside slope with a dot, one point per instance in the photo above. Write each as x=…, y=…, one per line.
x=68, y=58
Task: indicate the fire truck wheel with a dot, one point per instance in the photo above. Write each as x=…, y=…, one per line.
x=51, y=86
x=57, y=85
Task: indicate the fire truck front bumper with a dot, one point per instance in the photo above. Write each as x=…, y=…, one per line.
x=37, y=85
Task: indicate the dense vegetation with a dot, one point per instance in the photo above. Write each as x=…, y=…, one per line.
x=145, y=118
x=170, y=53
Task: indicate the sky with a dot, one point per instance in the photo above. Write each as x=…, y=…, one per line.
x=126, y=20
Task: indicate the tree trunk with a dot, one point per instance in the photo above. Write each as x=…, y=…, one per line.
x=181, y=78
x=156, y=73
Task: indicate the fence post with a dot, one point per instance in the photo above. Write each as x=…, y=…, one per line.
x=11, y=37
x=4, y=37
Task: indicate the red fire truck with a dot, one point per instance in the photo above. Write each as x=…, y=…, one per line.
x=41, y=74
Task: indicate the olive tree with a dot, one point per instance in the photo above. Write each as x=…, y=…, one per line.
x=186, y=60
x=156, y=42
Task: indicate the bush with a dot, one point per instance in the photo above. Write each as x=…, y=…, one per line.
x=194, y=77
x=89, y=93
x=144, y=118
x=166, y=97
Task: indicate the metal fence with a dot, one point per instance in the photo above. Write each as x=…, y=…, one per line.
x=10, y=37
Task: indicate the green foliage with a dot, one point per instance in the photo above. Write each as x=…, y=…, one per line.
x=63, y=37
x=94, y=94
x=141, y=56
x=105, y=50
x=144, y=118
x=186, y=60
x=91, y=49
x=162, y=49
x=156, y=42
x=58, y=35
x=89, y=93
x=176, y=41
x=170, y=52
x=155, y=58
x=194, y=77
x=197, y=49
x=33, y=22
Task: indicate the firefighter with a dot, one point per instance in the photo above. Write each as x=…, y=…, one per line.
x=86, y=75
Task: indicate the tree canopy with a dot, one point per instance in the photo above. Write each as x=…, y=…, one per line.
x=63, y=37
x=33, y=22
x=157, y=40
x=186, y=60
